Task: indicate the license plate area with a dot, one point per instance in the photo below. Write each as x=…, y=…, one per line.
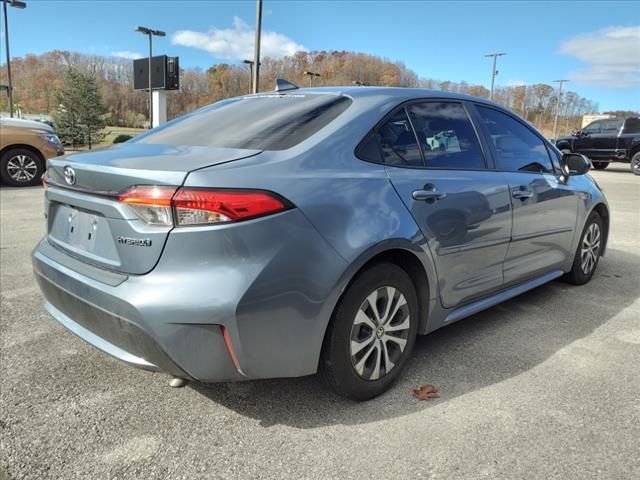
x=83, y=232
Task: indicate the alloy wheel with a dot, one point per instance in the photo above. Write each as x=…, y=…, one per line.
x=379, y=333
x=635, y=165
x=590, y=248
x=22, y=168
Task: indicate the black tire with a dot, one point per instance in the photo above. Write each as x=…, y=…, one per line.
x=635, y=163
x=338, y=363
x=600, y=165
x=578, y=275
x=21, y=167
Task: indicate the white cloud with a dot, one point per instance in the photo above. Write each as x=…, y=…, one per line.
x=126, y=54
x=236, y=43
x=515, y=83
x=612, y=56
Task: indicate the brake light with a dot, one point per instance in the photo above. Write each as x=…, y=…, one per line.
x=197, y=206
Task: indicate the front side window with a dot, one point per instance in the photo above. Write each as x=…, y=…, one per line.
x=398, y=142
x=518, y=148
x=261, y=122
x=593, y=127
x=446, y=135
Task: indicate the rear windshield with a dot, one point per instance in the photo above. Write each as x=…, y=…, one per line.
x=261, y=122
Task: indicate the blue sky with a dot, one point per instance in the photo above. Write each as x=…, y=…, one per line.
x=595, y=44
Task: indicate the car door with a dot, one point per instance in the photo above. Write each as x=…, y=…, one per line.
x=605, y=143
x=462, y=208
x=585, y=138
x=544, y=208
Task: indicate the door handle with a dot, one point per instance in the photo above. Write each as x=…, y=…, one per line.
x=521, y=193
x=427, y=195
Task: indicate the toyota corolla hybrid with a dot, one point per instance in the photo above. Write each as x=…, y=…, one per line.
x=305, y=230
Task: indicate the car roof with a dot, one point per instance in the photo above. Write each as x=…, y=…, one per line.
x=399, y=93
x=19, y=122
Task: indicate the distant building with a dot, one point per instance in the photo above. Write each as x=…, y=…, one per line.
x=587, y=119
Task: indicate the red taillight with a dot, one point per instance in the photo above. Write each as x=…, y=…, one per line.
x=199, y=206
x=196, y=206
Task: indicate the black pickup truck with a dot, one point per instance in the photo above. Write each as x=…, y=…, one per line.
x=605, y=141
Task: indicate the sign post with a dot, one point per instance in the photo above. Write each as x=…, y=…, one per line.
x=159, y=108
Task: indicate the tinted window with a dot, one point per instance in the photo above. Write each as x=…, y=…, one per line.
x=611, y=126
x=518, y=148
x=632, y=125
x=263, y=122
x=399, y=146
x=446, y=135
x=593, y=127
x=369, y=149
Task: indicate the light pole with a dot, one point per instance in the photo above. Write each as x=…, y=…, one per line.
x=256, y=50
x=150, y=32
x=555, y=122
x=494, y=72
x=311, y=75
x=20, y=5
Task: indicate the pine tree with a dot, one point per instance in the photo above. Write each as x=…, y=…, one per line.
x=79, y=119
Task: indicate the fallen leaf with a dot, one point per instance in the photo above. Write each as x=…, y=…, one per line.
x=426, y=392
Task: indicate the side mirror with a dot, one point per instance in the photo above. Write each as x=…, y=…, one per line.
x=575, y=164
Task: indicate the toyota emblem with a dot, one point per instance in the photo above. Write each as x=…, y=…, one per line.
x=69, y=175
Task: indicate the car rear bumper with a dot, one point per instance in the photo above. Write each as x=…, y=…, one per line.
x=94, y=313
x=272, y=299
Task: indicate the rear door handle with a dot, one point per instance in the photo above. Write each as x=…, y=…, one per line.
x=521, y=193
x=426, y=195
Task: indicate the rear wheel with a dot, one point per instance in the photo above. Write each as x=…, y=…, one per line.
x=21, y=167
x=587, y=256
x=635, y=163
x=600, y=165
x=371, y=334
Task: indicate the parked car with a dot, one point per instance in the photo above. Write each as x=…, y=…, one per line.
x=305, y=230
x=605, y=141
x=25, y=146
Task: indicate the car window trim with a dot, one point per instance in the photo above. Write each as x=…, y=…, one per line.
x=494, y=151
x=403, y=106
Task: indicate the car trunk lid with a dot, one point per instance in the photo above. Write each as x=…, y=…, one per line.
x=85, y=217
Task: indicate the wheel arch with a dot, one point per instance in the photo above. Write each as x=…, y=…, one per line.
x=26, y=147
x=603, y=211
x=408, y=256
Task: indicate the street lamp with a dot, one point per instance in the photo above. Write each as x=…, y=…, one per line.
x=311, y=75
x=20, y=5
x=494, y=72
x=150, y=32
x=555, y=122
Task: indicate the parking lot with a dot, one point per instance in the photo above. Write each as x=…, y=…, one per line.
x=544, y=386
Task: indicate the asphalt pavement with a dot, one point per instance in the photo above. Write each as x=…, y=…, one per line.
x=545, y=386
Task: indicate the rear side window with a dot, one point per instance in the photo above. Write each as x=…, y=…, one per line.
x=518, y=148
x=611, y=126
x=398, y=142
x=446, y=135
x=632, y=125
x=262, y=122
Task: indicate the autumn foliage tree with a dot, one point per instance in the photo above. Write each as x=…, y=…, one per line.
x=37, y=78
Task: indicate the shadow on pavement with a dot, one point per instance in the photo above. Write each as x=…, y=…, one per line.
x=482, y=350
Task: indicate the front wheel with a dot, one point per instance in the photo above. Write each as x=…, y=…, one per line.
x=635, y=163
x=587, y=256
x=600, y=165
x=371, y=334
x=21, y=167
